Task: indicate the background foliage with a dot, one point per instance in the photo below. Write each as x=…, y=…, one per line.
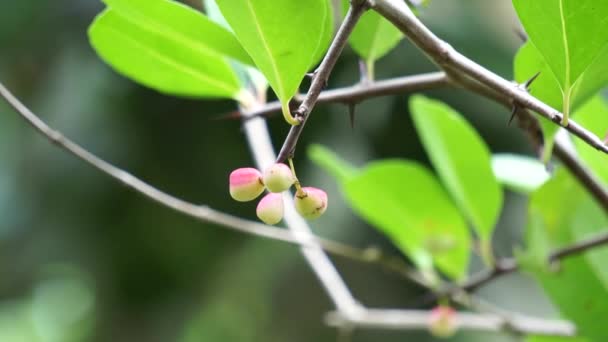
x=83, y=259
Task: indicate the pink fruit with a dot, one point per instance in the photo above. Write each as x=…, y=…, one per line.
x=278, y=178
x=246, y=184
x=442, y=321
x=310, y=202
x=270, y=208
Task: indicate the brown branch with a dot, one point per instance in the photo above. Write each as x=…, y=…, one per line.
x=321, y=76
x=579, y=247
x=361, y=92
x=530, y=124
x=507, y=266
x=447, y=58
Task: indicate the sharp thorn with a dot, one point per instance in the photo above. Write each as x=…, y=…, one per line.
x=532, y=79
x=351, y=114
x=513, y=113
x=521, y=34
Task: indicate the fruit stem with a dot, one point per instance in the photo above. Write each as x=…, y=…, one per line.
x=297, y=182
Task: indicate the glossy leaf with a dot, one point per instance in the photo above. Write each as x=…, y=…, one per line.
x=528, y=62
x=569, y=34
x=285, y=38
x=331, y=163
x=594, y=116
x=169, y=47
x=519, y=173
x=555, y=339
x=405, y=201
x=462, y=161
x=251, y=78
x=561, y=213
x=373, y=36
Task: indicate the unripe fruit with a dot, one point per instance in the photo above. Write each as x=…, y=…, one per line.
x=442, y=321
x=270, y=208
x=278, y=178
x=246, y=184
x=310, y=202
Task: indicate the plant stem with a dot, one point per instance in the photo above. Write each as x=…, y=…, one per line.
x=297, y=182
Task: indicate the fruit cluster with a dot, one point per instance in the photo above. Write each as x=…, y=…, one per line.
x=247, y=184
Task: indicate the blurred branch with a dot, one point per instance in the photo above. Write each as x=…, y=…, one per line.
x=579, y=247
x=419, y=319
x=261, y=148
x=201, y=212
x=507, y=266
x=321, y=76
x=447, y=58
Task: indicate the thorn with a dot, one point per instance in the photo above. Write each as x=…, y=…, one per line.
x=529, y=82
x=521, y=34
x=513, y=114
x=311, y=75
x=351, y=114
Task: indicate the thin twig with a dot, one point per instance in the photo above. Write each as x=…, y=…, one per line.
x=507, y=266
x=360, y=92
x=200, y=212
x=321, y=76
x=447, y=58
x=579, y=247
x=419, y=319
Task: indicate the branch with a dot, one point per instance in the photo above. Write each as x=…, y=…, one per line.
x=447, y=58
x=261, y=148
x=321, y=76
x=581, y=172
x=507, y=266
x=419, y=319
x=360, y=92
x=579, y=247
x=201, y=212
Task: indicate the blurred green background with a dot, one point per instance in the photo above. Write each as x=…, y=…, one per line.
x=84, y=259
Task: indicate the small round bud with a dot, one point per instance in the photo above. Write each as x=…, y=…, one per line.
x=270, y=208
x=278, y=178
x=310, y=202
x=246, y=184
x=442, y=321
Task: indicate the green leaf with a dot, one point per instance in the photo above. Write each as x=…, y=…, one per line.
x=405, y=202
x=251, y=78
x=331, y=163
x=561, y=213
x=528, y=62
x=373, y=36
x=593, y=115
x=462, y=161
x=285, y=38
x=555, y=339
x=519, y=173
x=569, y=34
x=169, y=47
